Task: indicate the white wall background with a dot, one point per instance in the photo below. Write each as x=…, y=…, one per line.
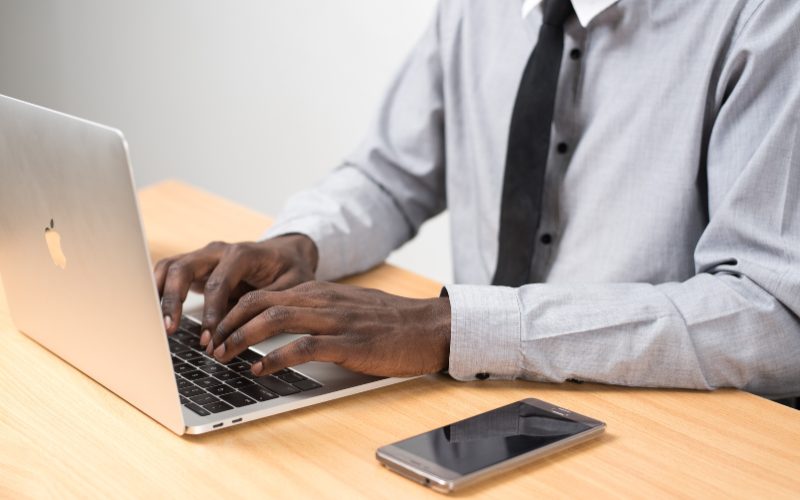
x=251, y=99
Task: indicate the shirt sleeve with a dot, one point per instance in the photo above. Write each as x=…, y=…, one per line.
x=394, y=181
x=735, y=323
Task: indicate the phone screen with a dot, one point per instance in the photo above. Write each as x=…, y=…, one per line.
x=489, y=438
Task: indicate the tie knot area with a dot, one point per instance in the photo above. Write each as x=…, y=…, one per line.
x=556, y=12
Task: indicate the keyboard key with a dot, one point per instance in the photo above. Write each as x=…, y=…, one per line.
x=176, y=361
x=197, y=409
x=221, y=389
x=182, y=336
x=194, y=375
x=277, y=385
x=193, y=342
x=202, y=361
x=238, y=382
x=183, y=368
x=257, y=392
x=192, y=329
x=190, y=326
x=290, y=377
x=190, y=391
x=183, y=383
x=239, y=366
x=306, y=385
x=176, y=347
x=184, y=400
x=250, y=356
x=247, y=374
x=190, y=355
x=204, y=399
x=238, y=399
x=207, y=382
x=226, y=375
x=213, y=369
x=218, y=407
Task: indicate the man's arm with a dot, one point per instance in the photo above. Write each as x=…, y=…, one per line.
x=350, y=222
x=390, y=185
x=733, y=324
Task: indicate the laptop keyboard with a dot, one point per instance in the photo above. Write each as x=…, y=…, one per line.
x=207, y=386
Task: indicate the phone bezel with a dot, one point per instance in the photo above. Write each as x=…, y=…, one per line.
x=444, y=480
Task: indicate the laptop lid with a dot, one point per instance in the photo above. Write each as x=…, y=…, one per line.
x=73, y=256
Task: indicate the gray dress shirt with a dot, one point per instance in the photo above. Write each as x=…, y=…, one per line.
x=669, y=247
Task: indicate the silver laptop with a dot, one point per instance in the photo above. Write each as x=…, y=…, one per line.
x=78, y=280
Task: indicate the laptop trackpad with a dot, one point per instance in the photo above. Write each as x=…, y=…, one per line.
x=276, y=342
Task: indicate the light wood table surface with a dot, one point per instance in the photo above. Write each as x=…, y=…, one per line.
x=64, y=435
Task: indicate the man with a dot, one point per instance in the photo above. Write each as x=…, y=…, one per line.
x=623, y=183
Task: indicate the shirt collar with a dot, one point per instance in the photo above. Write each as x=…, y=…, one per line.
x=585, y=9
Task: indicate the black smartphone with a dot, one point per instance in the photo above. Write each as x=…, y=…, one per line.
x=467, y=451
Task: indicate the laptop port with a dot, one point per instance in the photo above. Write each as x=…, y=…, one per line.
x=215, y=426
x=236, y=421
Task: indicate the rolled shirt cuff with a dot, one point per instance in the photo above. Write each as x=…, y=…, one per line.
x=485, y=332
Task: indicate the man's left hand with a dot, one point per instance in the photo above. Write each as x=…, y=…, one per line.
x=364, y=330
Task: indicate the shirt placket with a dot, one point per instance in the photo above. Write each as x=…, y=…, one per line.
x=564, y=139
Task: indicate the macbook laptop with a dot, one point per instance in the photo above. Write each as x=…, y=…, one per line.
x=78, y=280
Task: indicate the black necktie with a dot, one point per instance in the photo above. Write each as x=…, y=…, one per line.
x=528, y=146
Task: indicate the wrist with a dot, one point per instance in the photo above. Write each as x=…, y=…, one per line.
x=441, y=320
x=303, y=246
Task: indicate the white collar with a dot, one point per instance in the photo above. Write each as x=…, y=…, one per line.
x=585, y=9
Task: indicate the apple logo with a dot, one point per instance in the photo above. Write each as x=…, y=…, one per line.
x=53, y=240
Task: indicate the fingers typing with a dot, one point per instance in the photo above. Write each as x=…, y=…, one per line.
x=274, y=320
x=302, y=350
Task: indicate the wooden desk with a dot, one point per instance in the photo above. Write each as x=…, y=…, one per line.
x=71, y=437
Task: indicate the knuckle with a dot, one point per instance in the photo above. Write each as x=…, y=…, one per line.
x=235, y=251
x=327, y=295
x=348, y=316
x=183, y=267
x=214, y=284
x=307, y=287
x=237, y=338
x=249, y=299
x=216, y=245
x=176, y=269
x=211, y=315
x=220, y=333
x=277, y=314
x=273, y=358
x=306, y=347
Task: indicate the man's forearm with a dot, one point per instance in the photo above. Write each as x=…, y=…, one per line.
x=708, y=332
x=352, y=222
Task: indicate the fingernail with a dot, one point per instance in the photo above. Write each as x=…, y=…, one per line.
x=167, y=322
x=210, y=348
x=205, y=338
x=257, y=367
x=219, y=351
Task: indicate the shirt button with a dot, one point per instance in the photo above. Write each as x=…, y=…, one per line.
x=562, y=147
x=482, y=376
x=546, y=239
x=575, y=54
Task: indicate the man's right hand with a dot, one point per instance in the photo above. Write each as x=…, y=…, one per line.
x=223, y=272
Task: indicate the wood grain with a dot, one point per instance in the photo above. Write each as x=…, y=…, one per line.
x=63, y=435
